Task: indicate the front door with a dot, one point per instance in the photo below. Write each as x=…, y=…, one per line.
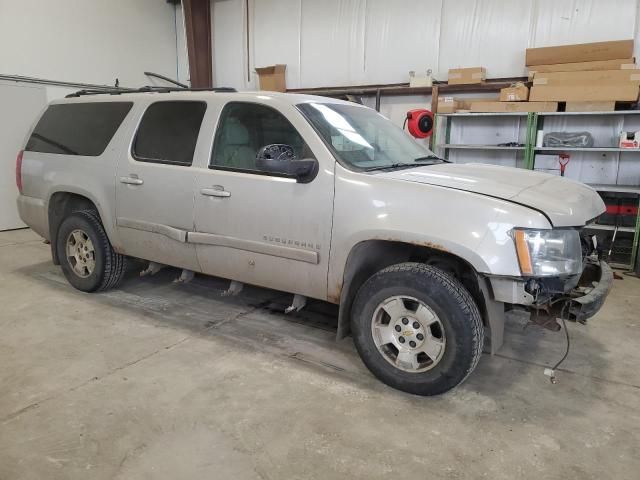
x=257, y=227
x=154, y=184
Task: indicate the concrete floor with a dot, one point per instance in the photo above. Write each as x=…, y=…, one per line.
x=166, y=381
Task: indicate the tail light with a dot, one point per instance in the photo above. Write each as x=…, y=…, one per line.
x=19, y=171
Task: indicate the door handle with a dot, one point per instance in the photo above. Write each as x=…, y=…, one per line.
x=215, y=191
x=132, y=180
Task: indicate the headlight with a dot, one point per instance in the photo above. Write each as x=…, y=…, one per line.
x=546, y=253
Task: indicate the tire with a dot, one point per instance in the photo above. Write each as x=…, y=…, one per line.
x=443, y=324
x=109, y=267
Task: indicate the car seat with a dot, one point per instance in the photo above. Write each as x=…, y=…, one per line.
x=237, y=151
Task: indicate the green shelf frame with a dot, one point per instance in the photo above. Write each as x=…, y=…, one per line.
x=534, y=122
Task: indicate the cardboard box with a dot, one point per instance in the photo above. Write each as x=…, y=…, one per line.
x=519, y=93
x=514, y=106
x=609, y=106
x=596, y=77
x=583, y=52
x=272, y=78
x=447, y=105
x=584, y=93
x=465, y=103
x=465, y=76
x=420, y=79
x=618, y=64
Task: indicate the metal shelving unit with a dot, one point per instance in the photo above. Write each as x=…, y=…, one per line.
x=521, y=124
x=479, y=147
x=606, y=126
x=586, y=149
x=616, y=188
x=525, y=156
x=597, y=226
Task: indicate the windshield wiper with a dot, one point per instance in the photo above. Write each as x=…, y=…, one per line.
x=428, y=157
x=432, y=159
x=393, y=165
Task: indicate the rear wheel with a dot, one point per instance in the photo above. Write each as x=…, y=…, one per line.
x=417, y=328
x=86, y=256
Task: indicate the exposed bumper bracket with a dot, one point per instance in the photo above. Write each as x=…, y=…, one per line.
x=586, y=306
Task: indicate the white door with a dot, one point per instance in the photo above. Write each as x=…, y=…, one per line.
x=19, y=108
x=154, y=184
x=257, y=227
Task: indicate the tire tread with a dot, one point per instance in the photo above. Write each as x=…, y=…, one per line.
x=462, y=296
x=115, y=264
x=457, y=295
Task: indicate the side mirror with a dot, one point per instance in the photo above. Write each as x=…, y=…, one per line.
x=281, y=159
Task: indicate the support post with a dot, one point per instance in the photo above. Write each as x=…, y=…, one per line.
x=197, y=21
x=434, y=109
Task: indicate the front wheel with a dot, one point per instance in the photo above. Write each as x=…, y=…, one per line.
x=417, y=328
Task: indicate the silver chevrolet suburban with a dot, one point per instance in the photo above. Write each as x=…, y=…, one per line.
x=320, y=198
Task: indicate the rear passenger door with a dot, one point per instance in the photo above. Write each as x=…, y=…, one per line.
x=155, y=181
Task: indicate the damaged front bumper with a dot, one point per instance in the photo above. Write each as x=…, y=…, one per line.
x=592, y=290
x=581, y=302
x=547, y=299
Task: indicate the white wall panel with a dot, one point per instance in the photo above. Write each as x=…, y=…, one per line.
x=488, y=33
x=349, y=42
x=229, y=57
x=182, y=74
x=21, y=104
x=580, y=21
x=88, y=41
x=332, y=43
x=400, y=37
x=276, y=36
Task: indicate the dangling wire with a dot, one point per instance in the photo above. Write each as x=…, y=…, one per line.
x=551, y=372
x=566, y=332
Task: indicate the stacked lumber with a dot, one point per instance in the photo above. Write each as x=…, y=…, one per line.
x=514, y=99
x=583, y=77
x=588, y=76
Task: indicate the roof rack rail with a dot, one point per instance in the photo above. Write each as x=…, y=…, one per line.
x=146, y=89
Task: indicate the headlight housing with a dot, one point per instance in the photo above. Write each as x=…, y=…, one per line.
x=548, y=253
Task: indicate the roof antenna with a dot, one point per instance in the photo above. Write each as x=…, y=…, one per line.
x=166, y=79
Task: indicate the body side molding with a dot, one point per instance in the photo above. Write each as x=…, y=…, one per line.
x=184, y=236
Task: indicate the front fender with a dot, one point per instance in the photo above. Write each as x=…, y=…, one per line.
x=471, y=226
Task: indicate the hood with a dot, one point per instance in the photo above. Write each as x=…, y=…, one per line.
x=565, y=202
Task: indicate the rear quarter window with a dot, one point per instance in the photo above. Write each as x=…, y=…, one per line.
x=78, y=128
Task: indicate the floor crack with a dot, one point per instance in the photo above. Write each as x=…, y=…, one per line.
x=197, y=334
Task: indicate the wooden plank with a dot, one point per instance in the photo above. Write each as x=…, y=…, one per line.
x=584, y=93
x=618, y=64
x=596, y=77
x=604, y=106
x=583, y=52
x=514, y=106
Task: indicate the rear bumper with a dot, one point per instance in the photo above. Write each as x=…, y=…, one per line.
x=593, y=288
x=32, y=212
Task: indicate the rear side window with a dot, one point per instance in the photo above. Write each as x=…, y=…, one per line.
x=168, y=132
x=78, y=128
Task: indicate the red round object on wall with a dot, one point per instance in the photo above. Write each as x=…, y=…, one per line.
x=420, y=122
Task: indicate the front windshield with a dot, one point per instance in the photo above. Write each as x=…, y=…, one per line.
x=362, y=138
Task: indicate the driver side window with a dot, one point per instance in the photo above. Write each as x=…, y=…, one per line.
x=245, y=128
